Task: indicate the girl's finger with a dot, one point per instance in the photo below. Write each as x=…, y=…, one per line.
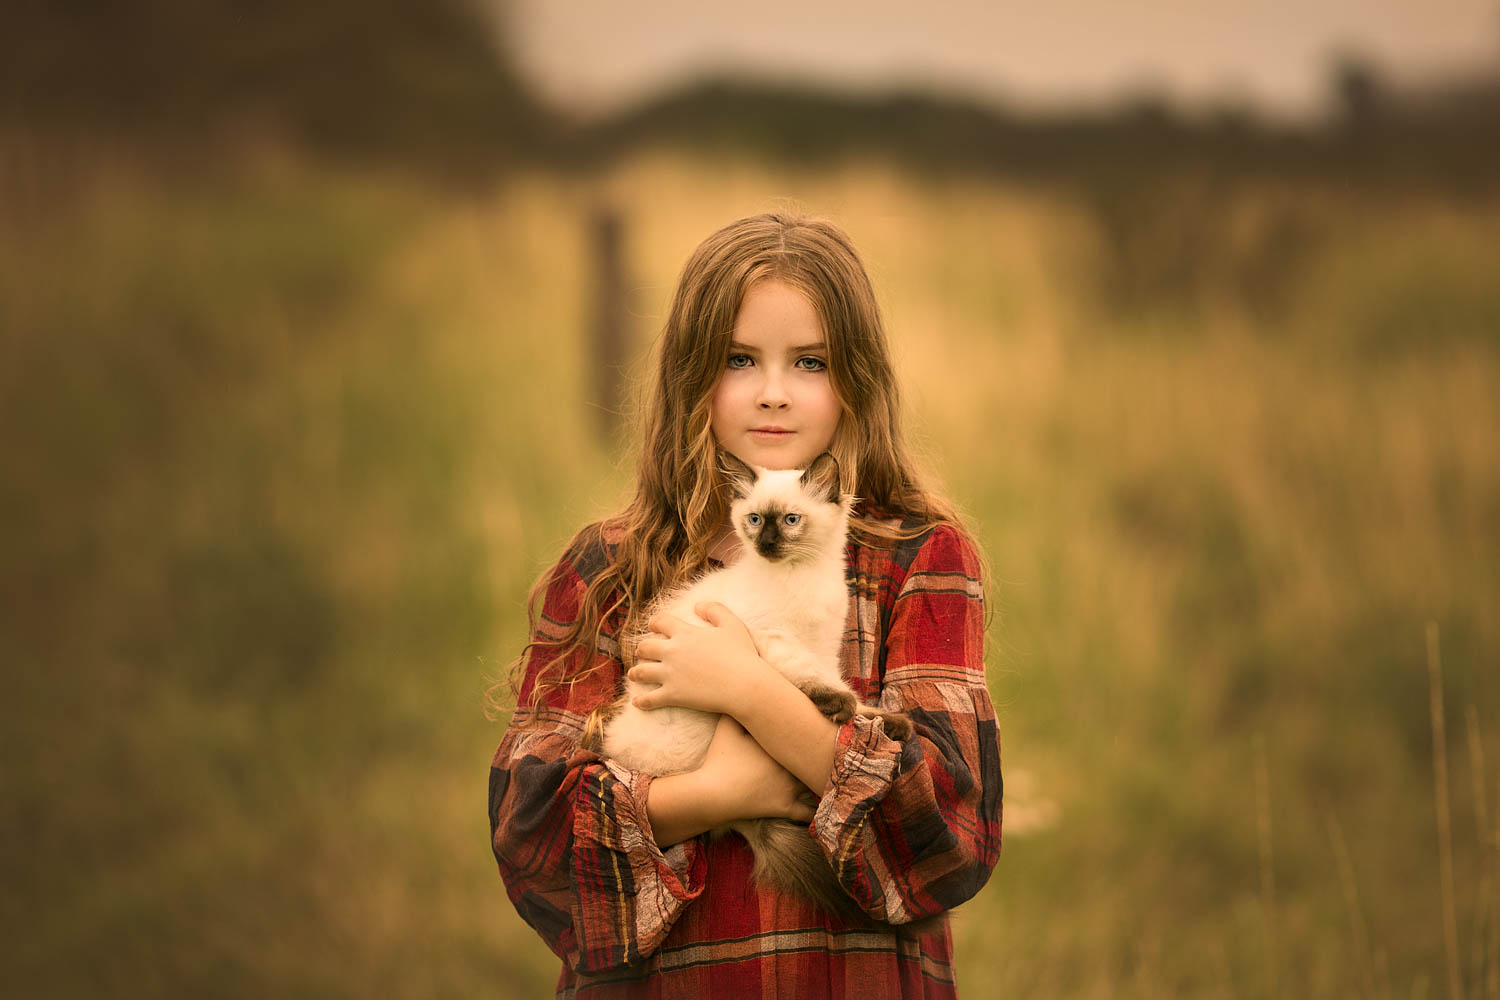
x=650, y=648
x=664, y=623
x=714, y=613
x=645, y=672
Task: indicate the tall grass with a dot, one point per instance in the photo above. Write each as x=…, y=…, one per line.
x=287, y=443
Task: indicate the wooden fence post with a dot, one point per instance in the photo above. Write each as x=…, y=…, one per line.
x=606, y=356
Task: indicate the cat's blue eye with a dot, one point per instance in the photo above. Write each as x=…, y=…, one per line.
x=812, y=364
x=792, y=519
x=740, y=361
x=754, y=520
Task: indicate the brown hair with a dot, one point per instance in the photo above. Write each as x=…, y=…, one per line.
x=663, y=536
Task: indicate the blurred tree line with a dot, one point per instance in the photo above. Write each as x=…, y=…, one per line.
x=432, y=83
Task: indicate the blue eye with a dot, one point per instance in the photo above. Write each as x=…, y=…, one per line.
x=754, y=520
x=791, y=519
x=740, y=361
x=813, y=364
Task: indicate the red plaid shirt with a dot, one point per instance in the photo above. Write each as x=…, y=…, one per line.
x=912, y=828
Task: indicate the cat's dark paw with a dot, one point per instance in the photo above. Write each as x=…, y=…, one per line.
x=837, y=705
x=897, y=726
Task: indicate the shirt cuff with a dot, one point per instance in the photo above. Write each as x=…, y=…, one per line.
x=865, y=763
x=626, y=884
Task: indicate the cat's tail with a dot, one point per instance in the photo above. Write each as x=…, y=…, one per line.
x=788, y=860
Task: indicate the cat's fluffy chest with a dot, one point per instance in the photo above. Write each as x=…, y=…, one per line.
x=808, y=602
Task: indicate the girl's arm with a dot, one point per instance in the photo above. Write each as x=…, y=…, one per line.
x=790, y=728
x=737, y=780
x=913, y=828
x=571, y=832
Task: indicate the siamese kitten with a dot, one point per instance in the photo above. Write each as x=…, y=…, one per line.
x=788, y=587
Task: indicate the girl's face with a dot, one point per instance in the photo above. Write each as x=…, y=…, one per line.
x=774, y=405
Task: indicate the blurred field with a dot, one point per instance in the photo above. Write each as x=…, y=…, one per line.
x=287, y=443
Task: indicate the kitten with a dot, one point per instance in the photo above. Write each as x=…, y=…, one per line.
x=788, y=588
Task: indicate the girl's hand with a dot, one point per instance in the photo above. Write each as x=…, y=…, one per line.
x=745, y=782
x=713, y=667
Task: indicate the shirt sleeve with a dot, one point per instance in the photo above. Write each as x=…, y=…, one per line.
x=913, y=828
x=569, y=829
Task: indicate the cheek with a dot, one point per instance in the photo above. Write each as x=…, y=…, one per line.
x=722, y=406
x=825, y=403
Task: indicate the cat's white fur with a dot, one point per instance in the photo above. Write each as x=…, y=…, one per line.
x=794, y=607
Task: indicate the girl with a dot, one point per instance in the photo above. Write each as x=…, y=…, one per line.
x=773, y=352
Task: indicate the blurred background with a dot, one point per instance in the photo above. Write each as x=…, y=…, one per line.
x=319, y=326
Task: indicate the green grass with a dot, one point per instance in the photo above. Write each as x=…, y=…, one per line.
x=287, y=444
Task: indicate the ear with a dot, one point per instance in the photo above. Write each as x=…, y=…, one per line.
x=822, y=478
x=741, y=477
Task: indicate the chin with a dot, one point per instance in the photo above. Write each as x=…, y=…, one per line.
x=774, y=462
x=784, y=457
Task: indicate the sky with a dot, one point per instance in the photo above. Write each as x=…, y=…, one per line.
x=596, y=56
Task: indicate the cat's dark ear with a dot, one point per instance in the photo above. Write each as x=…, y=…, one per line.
x=741, y=477
x=822, y=478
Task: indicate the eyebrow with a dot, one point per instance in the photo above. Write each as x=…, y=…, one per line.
x=735, y=345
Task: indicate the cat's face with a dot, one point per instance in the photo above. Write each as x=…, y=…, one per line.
x=788, y=515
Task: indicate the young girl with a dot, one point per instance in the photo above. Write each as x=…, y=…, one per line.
x=773, y=352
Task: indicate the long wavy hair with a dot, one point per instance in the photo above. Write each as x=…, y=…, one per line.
x=663, y=536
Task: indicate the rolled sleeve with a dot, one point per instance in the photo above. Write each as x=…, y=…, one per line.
x=569, y=829
x=912, y=828
x=629, y=891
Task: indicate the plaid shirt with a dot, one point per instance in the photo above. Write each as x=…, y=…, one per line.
x=912, y=829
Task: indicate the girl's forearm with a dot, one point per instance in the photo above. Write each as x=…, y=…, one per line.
x=791, y=729
x=679, y=807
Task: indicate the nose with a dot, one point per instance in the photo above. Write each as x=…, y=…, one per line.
x=772, y=395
